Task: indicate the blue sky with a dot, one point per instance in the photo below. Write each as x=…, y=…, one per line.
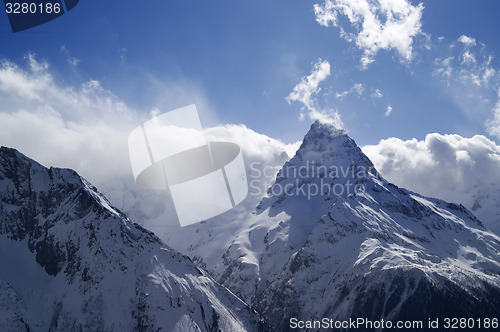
x=239, y=60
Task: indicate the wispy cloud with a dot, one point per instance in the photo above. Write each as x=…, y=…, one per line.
x=71, y=60
x=388, y=111
x=306, y=91
x=470, y=63
x=471, y=79
x=443, y=67
x=376, y=25
x=308, y=86
x=357, y=88
x=493, y=125
x=123, y=54
x=377, y=94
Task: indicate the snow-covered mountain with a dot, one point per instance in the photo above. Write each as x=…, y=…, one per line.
x=70, y=261
x=359, y=246
x=332, y=238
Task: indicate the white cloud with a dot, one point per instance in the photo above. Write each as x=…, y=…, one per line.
x=357, y=88
x=254, y=145
x=309, y=86
x=467, y=40
x=306, y=90
x=83, y=128
x=377, y=94
x=96, y=150
x=389, y=110
x=450, y=167
x=377, y=25
x=16, y=82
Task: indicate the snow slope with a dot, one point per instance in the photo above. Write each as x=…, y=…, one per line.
x=69, y=260
x=360, y=246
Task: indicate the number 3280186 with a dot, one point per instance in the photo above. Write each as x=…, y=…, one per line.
x=32, y=8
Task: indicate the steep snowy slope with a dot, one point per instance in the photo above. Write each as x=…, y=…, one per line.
x=334, y=239
x=71, y=261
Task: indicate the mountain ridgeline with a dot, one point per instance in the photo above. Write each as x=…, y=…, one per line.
x=331, y=238
x=70, y=261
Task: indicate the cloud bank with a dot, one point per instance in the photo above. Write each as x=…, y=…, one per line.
x=450, y=167
x=375, y=25
x=86, y=127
